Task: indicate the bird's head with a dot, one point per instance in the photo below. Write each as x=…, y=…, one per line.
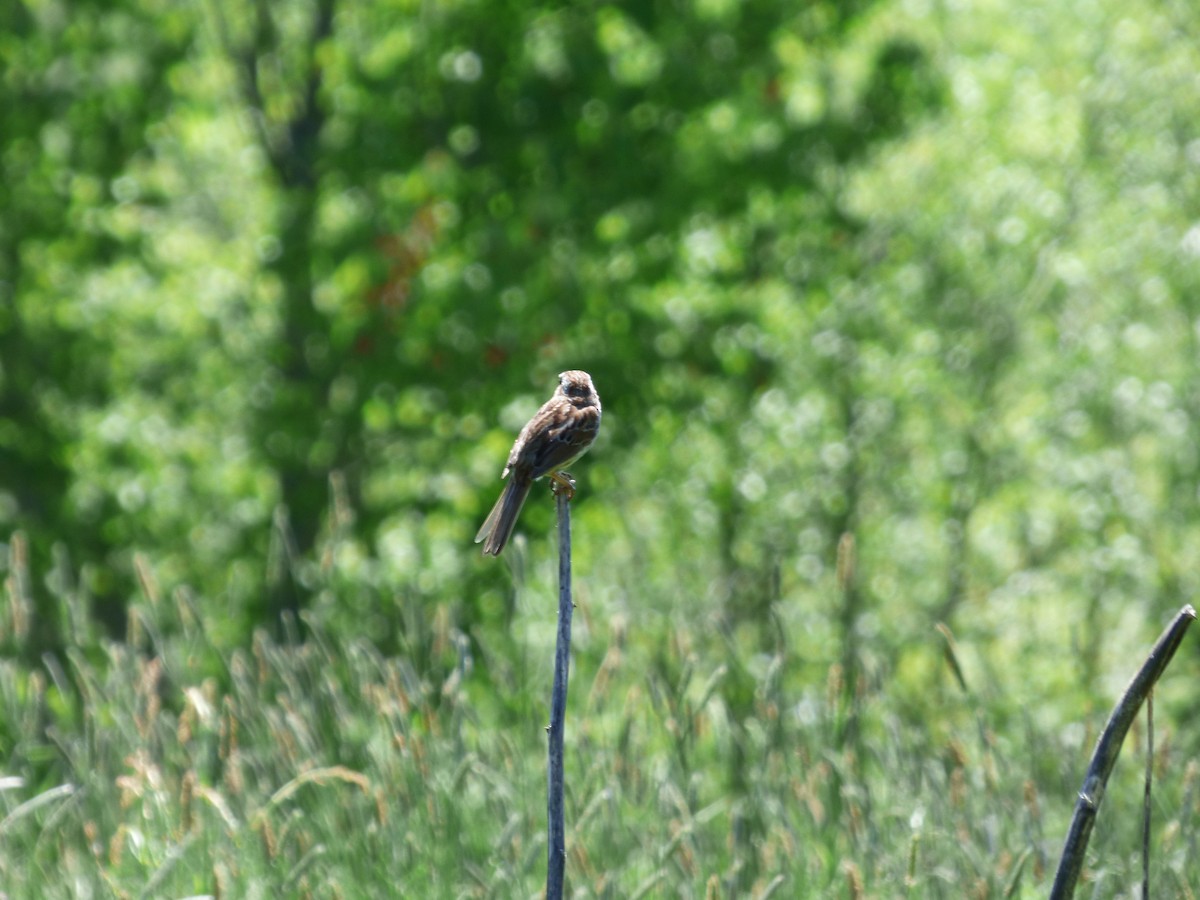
x=576, y=384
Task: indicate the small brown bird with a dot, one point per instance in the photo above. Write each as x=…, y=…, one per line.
x=557, y=435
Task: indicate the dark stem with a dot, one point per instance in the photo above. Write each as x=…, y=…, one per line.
x=1104, y=758
x=1146, y=795
x=558, y=703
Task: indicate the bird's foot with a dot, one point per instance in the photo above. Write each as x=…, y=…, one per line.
x=562, y=481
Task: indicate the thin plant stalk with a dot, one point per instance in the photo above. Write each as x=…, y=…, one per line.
x=557, y=853
x=1147, y=795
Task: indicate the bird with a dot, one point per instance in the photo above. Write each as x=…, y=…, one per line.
x=557, y=435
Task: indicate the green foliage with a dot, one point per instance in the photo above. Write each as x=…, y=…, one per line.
x=160, y=766
x=337, y=237
x=892, y=307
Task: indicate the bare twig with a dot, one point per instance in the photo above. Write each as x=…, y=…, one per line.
x=557, y=852
x=1107, y=748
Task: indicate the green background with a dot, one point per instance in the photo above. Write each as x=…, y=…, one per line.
x=893, y=308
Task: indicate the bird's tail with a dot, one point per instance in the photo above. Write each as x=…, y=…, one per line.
x=497, y=527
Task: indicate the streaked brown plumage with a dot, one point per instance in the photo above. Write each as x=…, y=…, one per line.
x=557, y=435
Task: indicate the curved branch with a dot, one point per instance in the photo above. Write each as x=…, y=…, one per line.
x=1108, y=747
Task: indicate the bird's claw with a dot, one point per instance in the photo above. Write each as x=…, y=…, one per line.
x=562, y=481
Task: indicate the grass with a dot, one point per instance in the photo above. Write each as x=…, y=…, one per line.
x=699, y=764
